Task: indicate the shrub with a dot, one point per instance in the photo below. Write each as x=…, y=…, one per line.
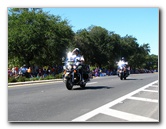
x=12, y=79
x=59, y=76
x=21, y=79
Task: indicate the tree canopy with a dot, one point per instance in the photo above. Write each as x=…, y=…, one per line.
x=36, y=37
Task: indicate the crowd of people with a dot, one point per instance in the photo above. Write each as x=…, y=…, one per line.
x=98, y=72
x=34, y=71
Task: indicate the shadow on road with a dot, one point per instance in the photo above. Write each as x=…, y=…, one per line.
x=133, y=79
x=93, y=88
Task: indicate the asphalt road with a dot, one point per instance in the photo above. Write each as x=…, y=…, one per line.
x=104, y=99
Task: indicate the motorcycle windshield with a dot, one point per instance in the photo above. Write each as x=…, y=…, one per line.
x=120, y=66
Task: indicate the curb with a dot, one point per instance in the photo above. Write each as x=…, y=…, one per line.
x=40, y=81
x=29, y=82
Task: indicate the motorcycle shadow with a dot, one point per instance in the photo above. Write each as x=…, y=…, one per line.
x=133, y=79
x=93, y=88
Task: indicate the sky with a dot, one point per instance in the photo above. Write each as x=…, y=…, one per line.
x=141, y=23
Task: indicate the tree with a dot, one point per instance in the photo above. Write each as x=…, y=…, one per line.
x=35, y=37
x=103, y=48
x=151, y=62
x=114, y=48
x=93, y=43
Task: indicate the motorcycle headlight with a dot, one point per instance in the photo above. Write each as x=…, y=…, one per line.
x=74, y=67
x=64, y=67
x=69, y=67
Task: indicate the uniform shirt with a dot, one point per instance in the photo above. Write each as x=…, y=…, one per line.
x=78, y=57
x=121, y=63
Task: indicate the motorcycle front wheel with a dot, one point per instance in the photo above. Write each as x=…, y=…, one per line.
x=69, y=84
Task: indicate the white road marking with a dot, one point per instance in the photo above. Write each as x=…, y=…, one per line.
x=43, y=83
x=154, y=86
x=143, y=99
x=108, y=105
x=150, y=90
x=32, y=84
x=127, y=116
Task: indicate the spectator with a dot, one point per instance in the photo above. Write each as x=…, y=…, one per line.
x=53, y=71
x=13, y=71
x=16, y=70
x=24, y=70
x=9, y=72
x=48, y=70
x=40, y=72
x=20, y=71
x=44, y=72
x=29, y=71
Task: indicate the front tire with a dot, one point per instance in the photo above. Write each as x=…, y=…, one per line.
x=69, y=84
x=121, y=76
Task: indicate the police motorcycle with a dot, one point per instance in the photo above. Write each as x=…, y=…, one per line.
x=123, y=71
x=73, y=73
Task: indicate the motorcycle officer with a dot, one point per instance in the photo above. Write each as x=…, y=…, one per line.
x=79, y=60
x=123, y=63
x=78, y=57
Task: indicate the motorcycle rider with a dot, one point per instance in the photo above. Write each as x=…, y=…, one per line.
x=77, y=55
x=123, y=63
x=79, y=60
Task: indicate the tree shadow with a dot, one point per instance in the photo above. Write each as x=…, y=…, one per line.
x=93, y=88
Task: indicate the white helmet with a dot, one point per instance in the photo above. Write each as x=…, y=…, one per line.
x=76, y=49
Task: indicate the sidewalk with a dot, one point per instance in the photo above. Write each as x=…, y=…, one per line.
x=38, y=81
